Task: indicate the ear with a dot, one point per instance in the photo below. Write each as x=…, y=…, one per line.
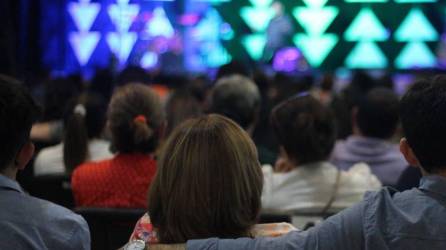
x=408, y=153
x=24, y=156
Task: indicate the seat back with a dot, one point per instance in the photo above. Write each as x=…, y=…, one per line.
x=110, y=228
x=54, y=188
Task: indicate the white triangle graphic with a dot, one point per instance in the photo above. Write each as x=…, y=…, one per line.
x=121, y=44
x=122, y=15
x=83, y=45
x=159, y=25
x=84, y=14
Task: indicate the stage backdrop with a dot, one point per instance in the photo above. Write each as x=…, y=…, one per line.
x=194, y=35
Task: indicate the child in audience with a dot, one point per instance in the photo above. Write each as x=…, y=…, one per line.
x=84, y=123
x=136, y=123
x=208, y=184
x=303, y=180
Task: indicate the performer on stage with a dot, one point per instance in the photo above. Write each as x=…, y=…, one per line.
x=278, y=32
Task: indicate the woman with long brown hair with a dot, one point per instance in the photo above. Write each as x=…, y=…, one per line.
x=209, y=184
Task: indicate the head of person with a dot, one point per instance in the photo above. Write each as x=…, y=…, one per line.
x=304, y=128
x=180, y=106
x=18, y=112
x=238, y=98
x=277, y=7
x=84, y=120
x=214, y=162
x=423, y=118
x=135, y=119
x=377, y=114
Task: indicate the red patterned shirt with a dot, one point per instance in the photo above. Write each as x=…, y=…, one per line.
x=122, y=181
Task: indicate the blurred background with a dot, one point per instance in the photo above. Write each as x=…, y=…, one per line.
x=60, y=38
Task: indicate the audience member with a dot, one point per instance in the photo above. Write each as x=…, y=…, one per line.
x=27, y=222
x=181, y=105
x=238, y=98
x=214, y=162
x=374, y=123
x=303, y=180
x=385, y=219
x=136, y=122
x=83, y=125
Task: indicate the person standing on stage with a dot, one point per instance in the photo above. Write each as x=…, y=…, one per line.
x=278, y=32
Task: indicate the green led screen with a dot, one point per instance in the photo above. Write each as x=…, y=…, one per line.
x=376, y=34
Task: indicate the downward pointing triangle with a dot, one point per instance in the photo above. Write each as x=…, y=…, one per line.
x=121, y=44
x=315, y=3
x=83, y=14
x=315, y=49
x=83, y=45
x=122, y=15
x=315, y=21
x=261, y=3
x=254, y=44
x=257, y=18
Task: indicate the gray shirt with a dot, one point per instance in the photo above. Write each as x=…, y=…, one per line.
x=30, y=223
x=413, y=219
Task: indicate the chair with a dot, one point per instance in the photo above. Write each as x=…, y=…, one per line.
x=110, y=228
x=301, y=220
x=54, y=188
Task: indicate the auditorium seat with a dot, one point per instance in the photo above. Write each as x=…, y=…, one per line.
x=110, y=228
x=54, y=188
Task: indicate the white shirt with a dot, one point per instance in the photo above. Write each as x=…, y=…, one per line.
x=308, y=188
x=50, y=160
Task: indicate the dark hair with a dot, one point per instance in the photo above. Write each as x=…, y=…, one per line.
x=18, y=112
x=236, y=97
x=58, y=93
x=232, y=68
x=305, y=128
x=423, y=118
x=180, y=106
x=85, y=120
x=214, y=162
x=378, y=113
x=129, y=134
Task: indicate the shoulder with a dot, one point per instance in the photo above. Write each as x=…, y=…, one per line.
x=144, y=231
x=89, y=170
x=361, y=175
x=62, y=223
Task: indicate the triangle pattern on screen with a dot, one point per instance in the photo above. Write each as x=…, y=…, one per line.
x=366, y=55
x=83, y=45
x=84, y=14
x=315, y=21
x=315, y=48
x=121, y=44
x=122, y=15
x=254, y=44
x=366, y=27
x=415, y=55
x=416, y=27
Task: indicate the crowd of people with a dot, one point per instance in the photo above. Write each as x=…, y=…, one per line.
x=207, y=159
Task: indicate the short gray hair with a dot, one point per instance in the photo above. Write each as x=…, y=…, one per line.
x=236, y=97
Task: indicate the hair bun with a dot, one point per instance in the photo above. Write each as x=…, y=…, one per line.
x=142, y=131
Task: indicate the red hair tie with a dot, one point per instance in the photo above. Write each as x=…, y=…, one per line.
x=140, y=118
